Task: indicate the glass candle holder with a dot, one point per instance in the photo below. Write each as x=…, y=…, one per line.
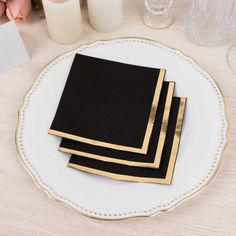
x=209, y=21
x=158, y=13
x=231, y=58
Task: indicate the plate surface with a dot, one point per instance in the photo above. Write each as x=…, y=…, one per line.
x=203, y=140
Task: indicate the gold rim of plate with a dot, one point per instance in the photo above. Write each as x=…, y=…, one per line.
x=157, y=209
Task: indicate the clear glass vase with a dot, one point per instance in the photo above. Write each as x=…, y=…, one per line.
x=209, y=21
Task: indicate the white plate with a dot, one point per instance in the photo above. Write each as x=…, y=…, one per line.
x=204, y=135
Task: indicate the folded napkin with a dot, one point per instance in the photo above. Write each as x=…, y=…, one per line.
x=142, y=174
x=153, y=156
x=109, y=104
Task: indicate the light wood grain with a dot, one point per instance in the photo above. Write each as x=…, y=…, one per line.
x=26, y=210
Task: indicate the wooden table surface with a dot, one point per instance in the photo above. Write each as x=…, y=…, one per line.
x=26, y=210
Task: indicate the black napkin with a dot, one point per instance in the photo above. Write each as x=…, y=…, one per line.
x=108, y=104
x=153, y=156
x=142, y=174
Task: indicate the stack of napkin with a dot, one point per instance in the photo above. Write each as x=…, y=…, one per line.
x=119, y=120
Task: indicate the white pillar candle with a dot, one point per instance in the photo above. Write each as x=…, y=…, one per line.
x=105, y=15
x=63, y=20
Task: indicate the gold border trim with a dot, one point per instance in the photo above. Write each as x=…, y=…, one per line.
x=148, y=132
x=173, y=156
x=160, y=208
x=159, y=148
